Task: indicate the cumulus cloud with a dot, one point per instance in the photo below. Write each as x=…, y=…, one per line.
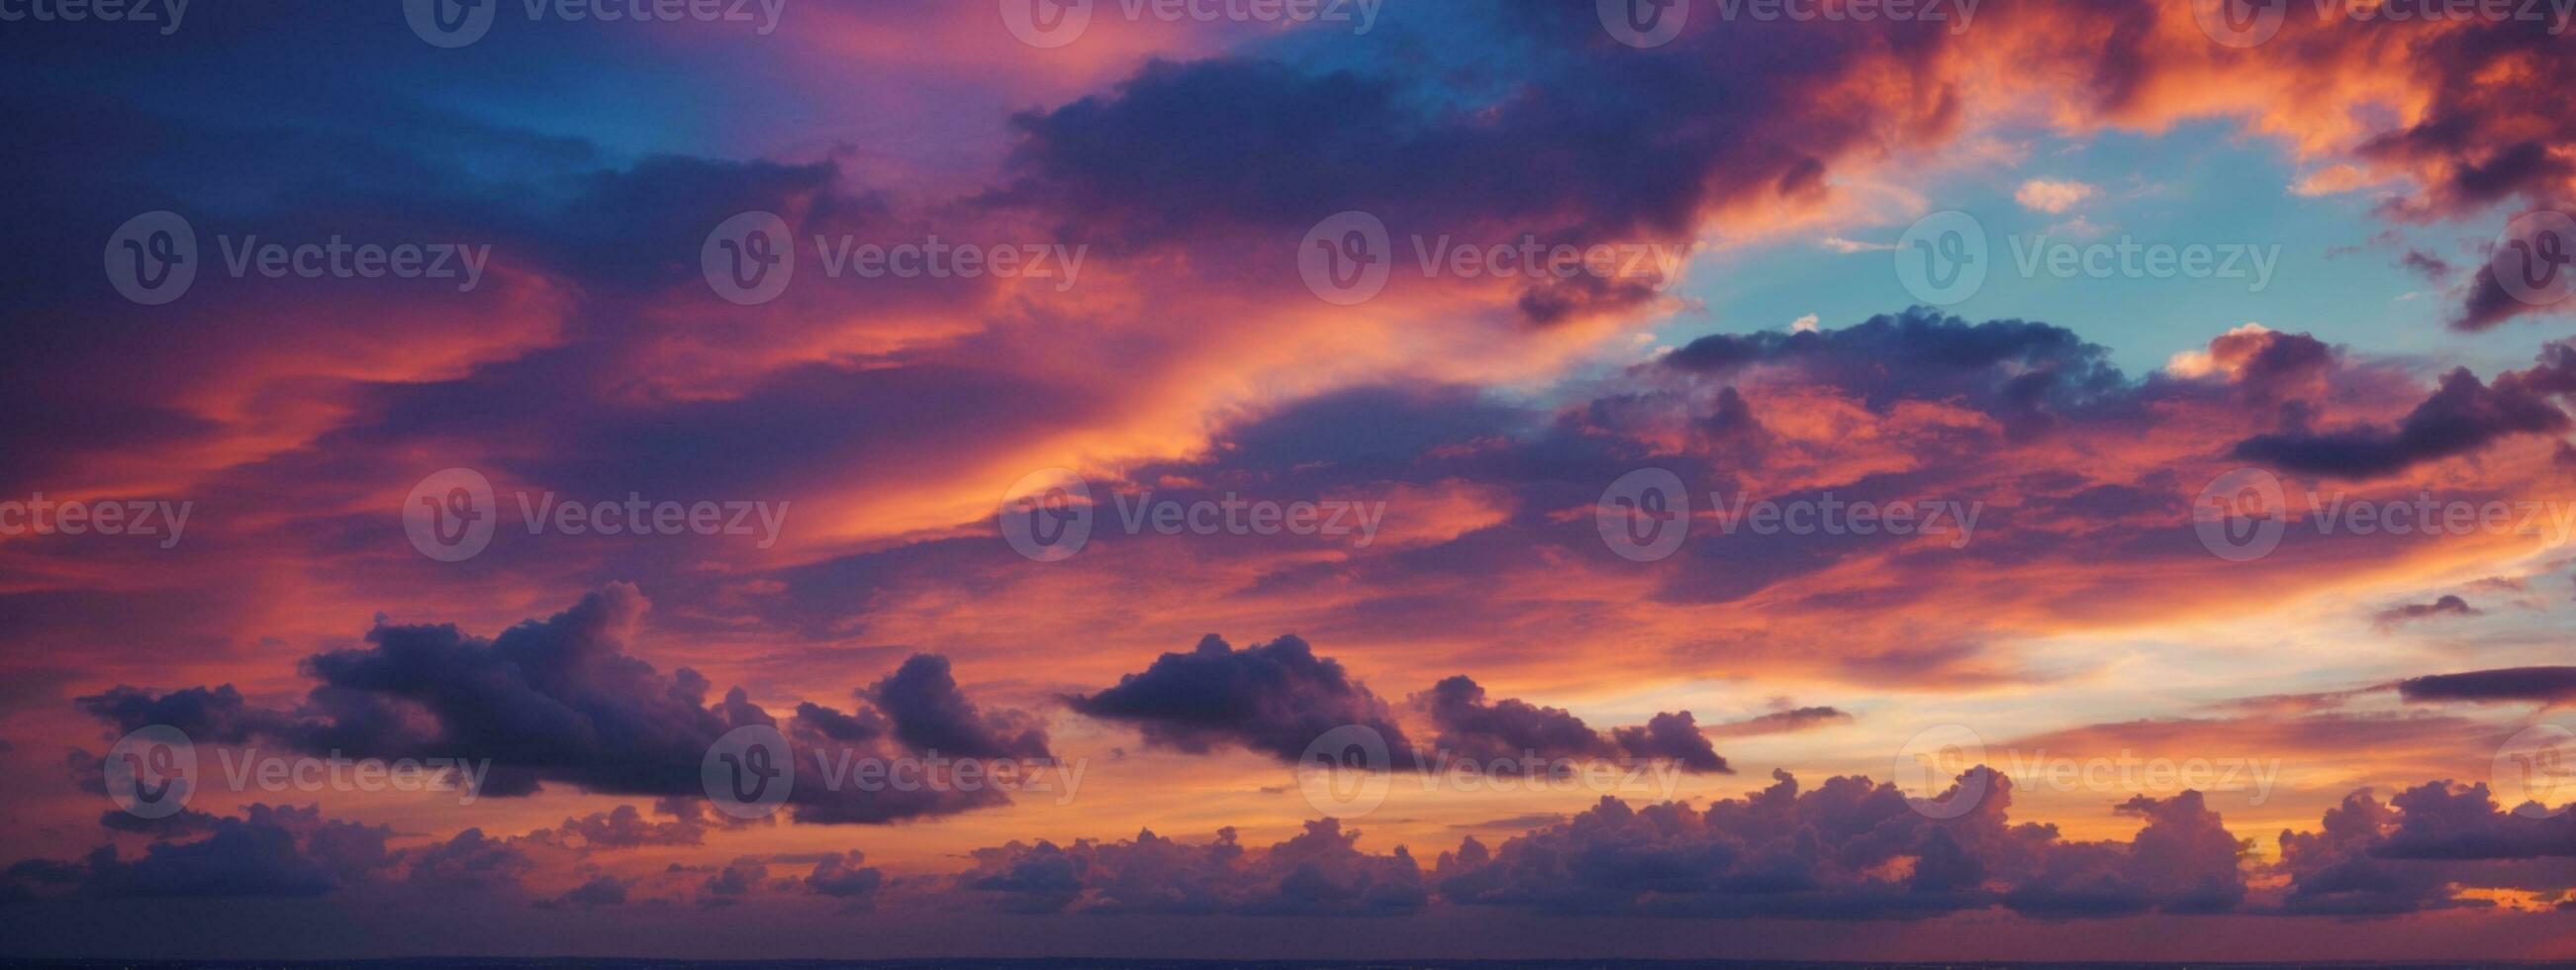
x=1497, y=732
x=2053, y=196
x=1851, y=849
x=561, y=700
x=1271, y=698
x=1320, y=871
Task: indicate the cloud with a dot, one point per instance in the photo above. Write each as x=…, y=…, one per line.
x=2053, y=196
x=1833, y=853
x=1781, y=722
x=2547, y=685
x=1272, y=698
x=1320, y=871
x=1500, y=732
x=930, y=715
x=561, y=701
x=2464, y=415
x=2445, y=606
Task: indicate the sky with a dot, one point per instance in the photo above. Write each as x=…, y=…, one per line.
x=1974, y=479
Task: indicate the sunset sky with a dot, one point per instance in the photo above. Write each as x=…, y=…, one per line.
x=1269, y=478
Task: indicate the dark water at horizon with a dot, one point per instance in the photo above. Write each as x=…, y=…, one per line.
x=508, y=963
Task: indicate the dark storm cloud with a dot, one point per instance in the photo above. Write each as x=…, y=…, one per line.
x=561, y=701
x=1675, y=737
x=1823, y=854
x=2462, y=416
x=1319, y=872
x=930, y=715
x=270, y=850
x=2547, y=685
x=1499, y=731
x=2029, y=375
x=1473, y=728
x=1272, y=698
x=2444, y=606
